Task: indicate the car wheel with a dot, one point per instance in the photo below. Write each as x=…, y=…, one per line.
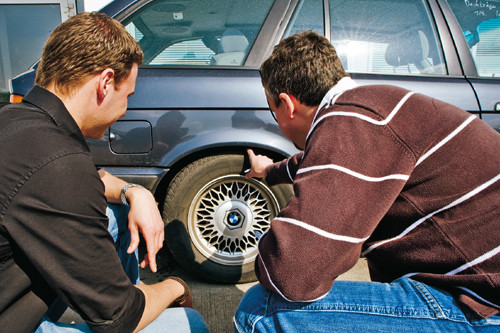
x=213, y=216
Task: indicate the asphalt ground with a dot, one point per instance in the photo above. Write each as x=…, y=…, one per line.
x=216, y=302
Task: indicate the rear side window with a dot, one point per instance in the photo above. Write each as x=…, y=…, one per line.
x=198, y=33
x=480, y=24
x=378, y=36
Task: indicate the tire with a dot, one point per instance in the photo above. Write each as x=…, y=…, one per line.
x=211, y=212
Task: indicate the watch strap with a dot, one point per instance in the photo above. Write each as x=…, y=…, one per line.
x=124, y=190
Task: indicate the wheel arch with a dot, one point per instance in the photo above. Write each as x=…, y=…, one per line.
x=180, y=163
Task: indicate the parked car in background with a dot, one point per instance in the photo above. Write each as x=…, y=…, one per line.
x=27, y=23
x=199, y=103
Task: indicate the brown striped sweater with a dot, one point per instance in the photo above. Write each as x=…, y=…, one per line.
x=408, y=181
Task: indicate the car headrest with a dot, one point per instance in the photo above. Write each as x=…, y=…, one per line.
x=409, y=48
x=233, y=40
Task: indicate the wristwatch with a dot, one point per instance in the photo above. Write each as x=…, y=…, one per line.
x=124, y=190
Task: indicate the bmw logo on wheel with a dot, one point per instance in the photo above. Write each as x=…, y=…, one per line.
x=234, y=219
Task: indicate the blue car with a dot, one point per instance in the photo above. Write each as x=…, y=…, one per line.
x=199, y=103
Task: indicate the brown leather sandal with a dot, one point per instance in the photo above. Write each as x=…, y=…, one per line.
x=186, y=300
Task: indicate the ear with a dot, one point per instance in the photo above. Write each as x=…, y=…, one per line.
x=291, y=103
x=106, y=82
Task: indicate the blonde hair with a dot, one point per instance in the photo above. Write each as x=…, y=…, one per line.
x=84, y=45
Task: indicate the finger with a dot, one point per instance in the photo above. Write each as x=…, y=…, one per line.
x=145, y=262
x=152, y=261
x=160, y=239
x=153, y=249
x=251, y=156
x=250, y=153
x=159, y=235
x=162, y=236
x=134, y=239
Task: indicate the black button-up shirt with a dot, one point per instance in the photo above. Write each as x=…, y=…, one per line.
x=53, y=225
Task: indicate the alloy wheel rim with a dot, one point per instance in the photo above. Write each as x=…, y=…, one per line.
x=226, y=217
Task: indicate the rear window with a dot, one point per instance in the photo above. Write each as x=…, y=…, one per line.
x=198, y=33
x=480, y=24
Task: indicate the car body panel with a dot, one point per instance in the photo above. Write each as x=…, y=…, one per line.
x=189, y=132
x=214, y=108
x=203, y=88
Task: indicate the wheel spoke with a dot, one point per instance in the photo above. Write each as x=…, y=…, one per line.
x=225, y=215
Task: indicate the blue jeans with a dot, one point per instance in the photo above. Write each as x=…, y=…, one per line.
x=170, y=320
x=402, y=306
x=118, y=228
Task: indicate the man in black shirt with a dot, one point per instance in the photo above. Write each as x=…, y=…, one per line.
x=54, y=241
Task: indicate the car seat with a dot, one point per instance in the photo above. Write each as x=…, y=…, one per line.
x=233, y=45
x=410, y=48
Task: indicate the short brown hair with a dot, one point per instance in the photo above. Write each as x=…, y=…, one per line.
x=304, y=65
x=84, y=45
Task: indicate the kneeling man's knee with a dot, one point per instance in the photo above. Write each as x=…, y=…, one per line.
x=251, y=309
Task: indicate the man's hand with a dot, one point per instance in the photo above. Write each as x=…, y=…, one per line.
x=258, y=163
x=145, y=218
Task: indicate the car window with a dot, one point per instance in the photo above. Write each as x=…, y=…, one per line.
x=23, y=31
x=480, y=23
x=198, y=33
x=307, y=16
x=385, y=36
x=378, y=36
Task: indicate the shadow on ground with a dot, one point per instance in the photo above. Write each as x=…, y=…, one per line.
x=216, y=302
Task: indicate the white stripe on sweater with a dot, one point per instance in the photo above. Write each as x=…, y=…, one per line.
x=321, y=232
x=463, y=198
x=363, y=117
x=353, y=173
x=476, y=261
x=279, y=291
x=270, y=280
x=446, y=139
x=288, y=170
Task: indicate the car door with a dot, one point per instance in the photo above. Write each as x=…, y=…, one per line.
x=402, y=42
x=475, y=26
x=195, y=75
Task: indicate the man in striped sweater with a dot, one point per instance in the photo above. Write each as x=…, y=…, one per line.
x=409, y=182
